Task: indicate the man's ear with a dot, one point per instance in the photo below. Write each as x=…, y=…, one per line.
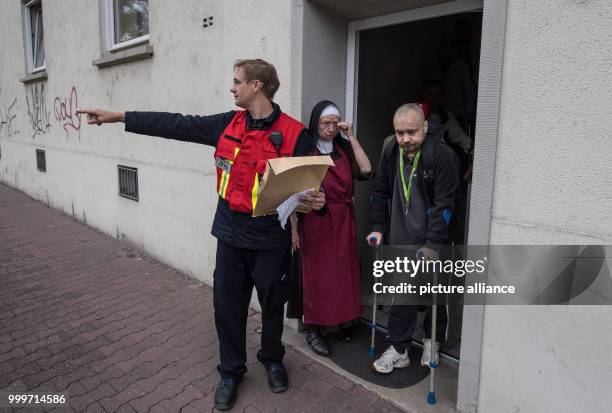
x=258, y=85
x=425, y=126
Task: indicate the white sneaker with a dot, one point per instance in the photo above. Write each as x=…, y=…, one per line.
x=391, y=359
x=426, y=357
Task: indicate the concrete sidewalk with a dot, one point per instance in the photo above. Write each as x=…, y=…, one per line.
x=87, y=316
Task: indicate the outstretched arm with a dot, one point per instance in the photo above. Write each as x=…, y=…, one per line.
x=100, y=116
x=190, y=128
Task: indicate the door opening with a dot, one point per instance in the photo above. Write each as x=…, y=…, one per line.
x=435, y=60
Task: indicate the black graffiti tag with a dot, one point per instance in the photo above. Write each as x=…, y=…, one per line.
x=66, y=112
x=37, y=111
x=7, y=129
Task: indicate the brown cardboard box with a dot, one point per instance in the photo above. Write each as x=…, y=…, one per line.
x=287, y=176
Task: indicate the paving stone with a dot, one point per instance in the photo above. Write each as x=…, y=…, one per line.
x=340, y=382
x=87, y=316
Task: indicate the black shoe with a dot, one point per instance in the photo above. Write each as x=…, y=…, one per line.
x=317, y=343
x=225, y=395
x=277, y=378
x=346, y=334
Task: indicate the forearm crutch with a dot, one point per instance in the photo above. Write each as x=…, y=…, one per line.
x=378, y=255
x=431, y=396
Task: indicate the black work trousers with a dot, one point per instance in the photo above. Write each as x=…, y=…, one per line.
x=237, y=271
x=403, y=320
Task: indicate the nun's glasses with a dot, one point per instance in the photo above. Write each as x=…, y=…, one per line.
x=326, y=125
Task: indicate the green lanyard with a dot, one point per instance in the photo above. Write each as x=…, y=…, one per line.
x=408, y=189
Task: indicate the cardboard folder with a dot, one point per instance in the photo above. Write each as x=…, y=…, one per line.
x=286, y=176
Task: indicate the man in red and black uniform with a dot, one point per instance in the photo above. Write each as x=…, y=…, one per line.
x=250, y=251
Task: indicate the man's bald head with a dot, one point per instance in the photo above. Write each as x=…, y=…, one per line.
x=410, y=128
x=408, y=108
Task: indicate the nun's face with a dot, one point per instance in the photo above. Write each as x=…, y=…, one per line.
x=328, y=127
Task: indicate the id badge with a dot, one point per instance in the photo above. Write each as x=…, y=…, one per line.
x=224, y=164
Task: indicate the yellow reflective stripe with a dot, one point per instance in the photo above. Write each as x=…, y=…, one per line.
x=255, y=191
x=223, y=186
x=225, y=177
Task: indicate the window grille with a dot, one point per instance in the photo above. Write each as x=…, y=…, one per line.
x=128, y=182
x=41, y=162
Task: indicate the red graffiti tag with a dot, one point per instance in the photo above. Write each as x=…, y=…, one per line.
x=66, y=112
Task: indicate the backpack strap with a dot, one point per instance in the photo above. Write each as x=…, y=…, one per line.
x=429, y=162
x=388, y=145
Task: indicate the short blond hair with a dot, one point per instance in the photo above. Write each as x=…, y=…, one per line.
x=258, y=69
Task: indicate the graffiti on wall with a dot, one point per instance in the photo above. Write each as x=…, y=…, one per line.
x=7, y=117
x=65, y=112
x=38, y=115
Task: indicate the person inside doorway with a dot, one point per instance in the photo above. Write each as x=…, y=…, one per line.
x=443, y=121
x=444, y=124
x=459, y=88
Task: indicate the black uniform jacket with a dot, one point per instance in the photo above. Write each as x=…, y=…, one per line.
x=237, y=229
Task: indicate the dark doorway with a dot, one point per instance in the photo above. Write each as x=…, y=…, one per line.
x=396, y=64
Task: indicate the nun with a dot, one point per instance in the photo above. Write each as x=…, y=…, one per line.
x=330, y=276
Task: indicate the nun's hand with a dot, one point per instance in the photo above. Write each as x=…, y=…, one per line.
x=347, y=129
x=314, y=200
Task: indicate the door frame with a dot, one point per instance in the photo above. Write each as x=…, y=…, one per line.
x=487, y=123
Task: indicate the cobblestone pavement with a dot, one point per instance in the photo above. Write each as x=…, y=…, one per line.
x=90, y=317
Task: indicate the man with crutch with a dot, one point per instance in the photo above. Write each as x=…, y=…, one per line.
x=413, y=196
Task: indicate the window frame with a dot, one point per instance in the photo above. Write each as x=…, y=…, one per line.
x=29, y=37
x=109, y=23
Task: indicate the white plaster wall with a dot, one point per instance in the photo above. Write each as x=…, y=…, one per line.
x=553, y=164
x=190, y=72
x=553, y=185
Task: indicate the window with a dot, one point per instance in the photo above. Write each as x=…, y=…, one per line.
x=125, y=32
x=127, y=23
x=34, y=36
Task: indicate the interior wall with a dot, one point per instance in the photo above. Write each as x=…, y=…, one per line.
x=323, y=57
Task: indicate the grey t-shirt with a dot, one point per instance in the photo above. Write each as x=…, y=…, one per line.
x=407, y=228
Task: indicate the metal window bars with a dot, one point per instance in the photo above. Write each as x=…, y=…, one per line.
x=41, y=162
x=128, y=182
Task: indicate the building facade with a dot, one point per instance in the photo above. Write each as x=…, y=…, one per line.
x=541, y=160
